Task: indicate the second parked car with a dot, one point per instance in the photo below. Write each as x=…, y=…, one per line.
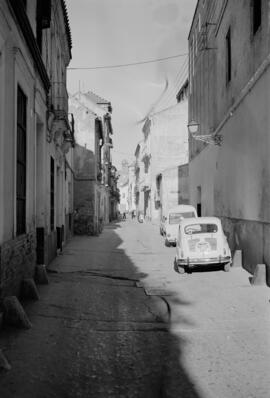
x=171, y=223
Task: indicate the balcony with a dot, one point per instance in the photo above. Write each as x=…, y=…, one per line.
x=146, y=153
x=146, y=183
x=60, y=123
x=137, y=187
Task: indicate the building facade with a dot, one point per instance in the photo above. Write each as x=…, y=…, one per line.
x=95, y=191
x=229, y=75
x=35, y=187
x=131, y=188
x=164, y=150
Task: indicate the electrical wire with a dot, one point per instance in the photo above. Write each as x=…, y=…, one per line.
x=175, y=87
x=129, y=64
x=179, y=77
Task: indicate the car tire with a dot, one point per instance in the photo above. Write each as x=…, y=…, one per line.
x=227, y=267
x=181, y=270
x=167, y=243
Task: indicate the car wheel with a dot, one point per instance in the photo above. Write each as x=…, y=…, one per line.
x=227, y=267
x=167, y=243
x=175, y=266
x=181, y=270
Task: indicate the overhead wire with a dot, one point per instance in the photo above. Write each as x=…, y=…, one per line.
x=175, y=89
x=127, y=64
x=175, y=86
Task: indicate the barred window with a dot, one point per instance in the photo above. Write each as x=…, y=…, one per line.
x=21, y=163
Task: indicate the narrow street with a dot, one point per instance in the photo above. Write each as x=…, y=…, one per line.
x=117, y=321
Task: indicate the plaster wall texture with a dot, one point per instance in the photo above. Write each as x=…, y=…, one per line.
x=174, y=188
x=18, y=69
x=84, y=123
x=234, y=178
x=168, y=147
x=202, y=171
x=17, y=253
x=248, y=51
x=123, y=206
x=131, y=188
x=85, y=196
x=169, y=138
x=86, y=165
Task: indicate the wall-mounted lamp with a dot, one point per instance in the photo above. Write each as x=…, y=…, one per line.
x=210, y=138
x=193, y=127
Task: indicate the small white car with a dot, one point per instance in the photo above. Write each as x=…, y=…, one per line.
x=171, y=224
x=201, y=242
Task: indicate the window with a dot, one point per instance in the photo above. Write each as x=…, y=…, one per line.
x=175, y=218
x=228, y=57
x=256, y=14
x=43, y=19
x=21, y=163
x=52, y=195
x=192, y=229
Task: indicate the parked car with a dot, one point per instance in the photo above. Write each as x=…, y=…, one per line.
x=201, y=242
x=175, y=215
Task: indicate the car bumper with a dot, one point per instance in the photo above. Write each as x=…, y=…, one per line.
x=192, y=262
x=171, y=239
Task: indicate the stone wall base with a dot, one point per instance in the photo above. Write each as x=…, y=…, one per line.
x=252, y=237
x=17, y=262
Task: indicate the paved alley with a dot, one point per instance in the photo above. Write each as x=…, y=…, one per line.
x=117, y=321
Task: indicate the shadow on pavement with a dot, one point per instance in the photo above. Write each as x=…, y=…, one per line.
x=95, y=332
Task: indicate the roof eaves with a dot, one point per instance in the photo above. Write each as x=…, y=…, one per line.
x=67, y=26
x=193, y=18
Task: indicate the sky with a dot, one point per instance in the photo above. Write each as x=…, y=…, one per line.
x=117, y=32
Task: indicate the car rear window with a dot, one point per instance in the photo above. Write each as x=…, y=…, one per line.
x=200, y=229
x=175, y=218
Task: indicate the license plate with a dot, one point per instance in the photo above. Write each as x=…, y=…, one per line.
x=202, y=247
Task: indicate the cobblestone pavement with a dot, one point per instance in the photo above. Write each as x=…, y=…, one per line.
x=117, y=321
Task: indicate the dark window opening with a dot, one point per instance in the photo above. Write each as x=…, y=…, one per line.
x=52, y=195
x=43, y=19
x=21, y=163
x=257, y=14
x=228, y=57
